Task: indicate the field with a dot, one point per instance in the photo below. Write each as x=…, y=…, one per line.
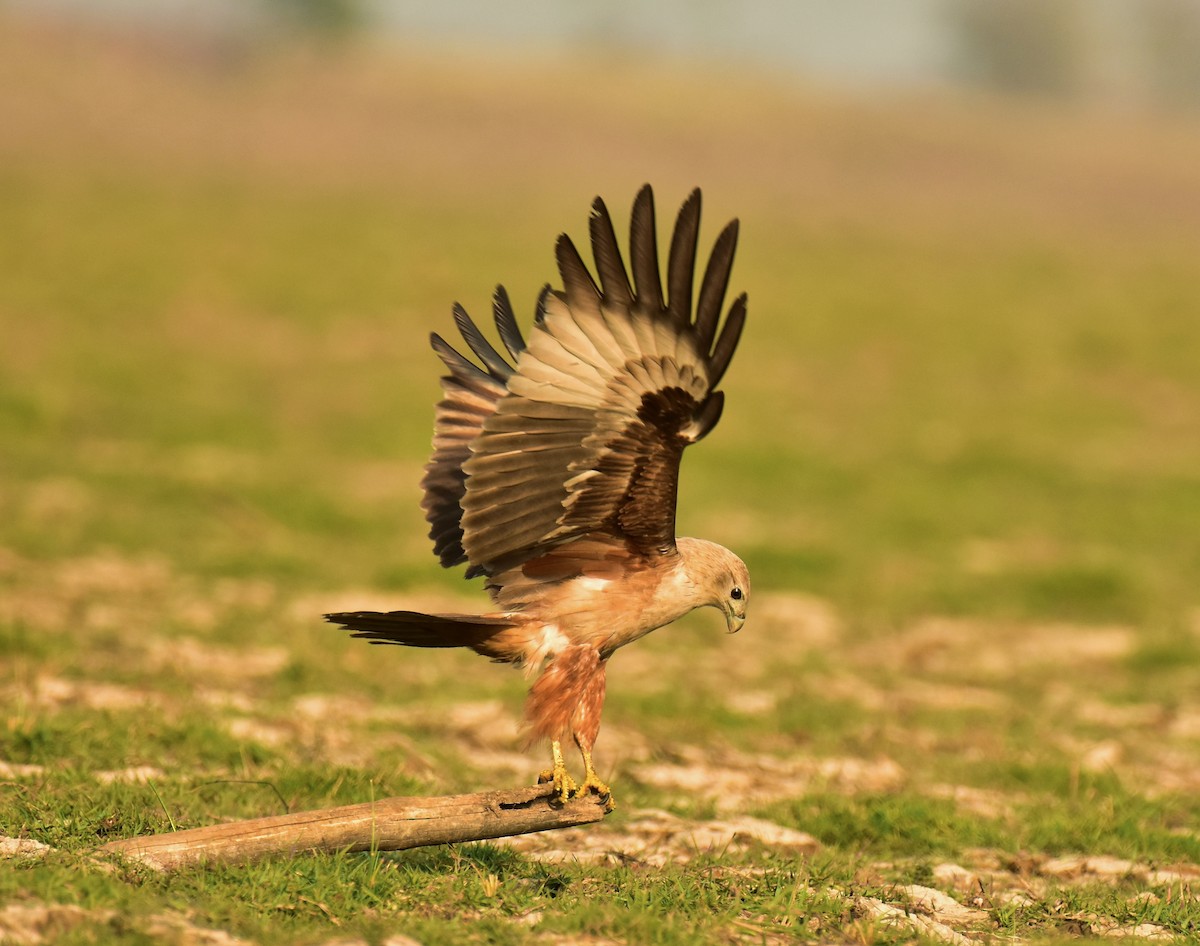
x=960, y=454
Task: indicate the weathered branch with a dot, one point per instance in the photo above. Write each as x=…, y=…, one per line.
x=391, y=824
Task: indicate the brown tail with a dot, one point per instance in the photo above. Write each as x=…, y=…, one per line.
x=414, y=629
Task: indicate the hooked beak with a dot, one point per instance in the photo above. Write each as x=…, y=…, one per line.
x=734, y=621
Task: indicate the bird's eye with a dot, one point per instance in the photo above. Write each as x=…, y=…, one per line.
x=736, y=594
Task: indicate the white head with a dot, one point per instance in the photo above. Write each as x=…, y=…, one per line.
x=719, y=578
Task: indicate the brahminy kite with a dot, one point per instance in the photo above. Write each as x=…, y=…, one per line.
x=555, y=472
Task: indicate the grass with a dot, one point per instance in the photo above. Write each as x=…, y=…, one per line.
x=959, y=455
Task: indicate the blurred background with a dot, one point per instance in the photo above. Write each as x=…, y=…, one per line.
x=1125, y=51
x=970, y=232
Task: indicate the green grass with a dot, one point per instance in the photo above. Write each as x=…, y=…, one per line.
x=1063, y=818
x=960, y=455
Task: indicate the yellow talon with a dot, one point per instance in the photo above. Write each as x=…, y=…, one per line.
x=564, y=785
x=592, y=782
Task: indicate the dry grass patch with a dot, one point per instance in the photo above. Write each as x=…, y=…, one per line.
x=949, y=647
x=22, y=848
x=654, y=838
x=31, y=924
x=736, y=781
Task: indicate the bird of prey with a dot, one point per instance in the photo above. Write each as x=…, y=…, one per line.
x=555, y=472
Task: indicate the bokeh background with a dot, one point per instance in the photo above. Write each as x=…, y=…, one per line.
x=970, y=234
x=960, y=452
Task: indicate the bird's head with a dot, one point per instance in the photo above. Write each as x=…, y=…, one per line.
x=737, y=595
x=735, y=608
x=721, y=579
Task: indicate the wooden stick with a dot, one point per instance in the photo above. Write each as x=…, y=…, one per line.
x=391, y=824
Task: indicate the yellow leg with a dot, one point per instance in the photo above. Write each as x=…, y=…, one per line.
x=591, y=781
x=564, y=785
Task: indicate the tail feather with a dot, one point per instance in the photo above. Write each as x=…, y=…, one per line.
x=414, y=629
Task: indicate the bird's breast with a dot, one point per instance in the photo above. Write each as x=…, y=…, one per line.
x=609, y=613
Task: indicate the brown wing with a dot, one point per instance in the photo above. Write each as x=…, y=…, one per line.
x=586, y=438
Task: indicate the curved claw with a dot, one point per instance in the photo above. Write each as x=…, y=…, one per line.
x=593, y=784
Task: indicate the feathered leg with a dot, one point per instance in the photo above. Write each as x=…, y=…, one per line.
x=585, y=727
x=566, y=700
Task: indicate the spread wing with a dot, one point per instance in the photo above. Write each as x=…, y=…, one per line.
x=579, y=439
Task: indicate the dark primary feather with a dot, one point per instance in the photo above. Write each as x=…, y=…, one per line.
x=506, y=323
x=614, y=283
x=497, y=367
x=681, y=263
x=539, y=311
x=583, y=436
x=716, y=281
x=731, y=332
x=579, y=289
x=643, y=250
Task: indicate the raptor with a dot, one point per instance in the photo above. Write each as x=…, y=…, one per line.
x=555, y=472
